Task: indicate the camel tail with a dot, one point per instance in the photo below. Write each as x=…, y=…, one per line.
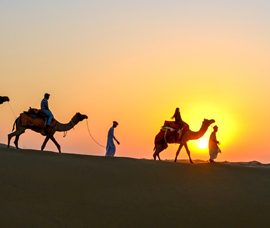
x=155, y=144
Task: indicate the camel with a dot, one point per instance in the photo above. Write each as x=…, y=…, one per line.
x=188, y=135
x=58, y=127
x=3, y=99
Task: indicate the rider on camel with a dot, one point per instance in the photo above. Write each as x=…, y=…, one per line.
x=177, y=117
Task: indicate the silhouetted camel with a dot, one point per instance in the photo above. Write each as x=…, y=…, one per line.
x=58, y=127
x=3, y=99
x=188, y=135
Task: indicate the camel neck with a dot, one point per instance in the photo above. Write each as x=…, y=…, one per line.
x=67, y=126
x=200, y=133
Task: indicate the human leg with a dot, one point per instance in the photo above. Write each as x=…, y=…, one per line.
x=48, y=112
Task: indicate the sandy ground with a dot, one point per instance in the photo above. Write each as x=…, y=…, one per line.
x=46, y=189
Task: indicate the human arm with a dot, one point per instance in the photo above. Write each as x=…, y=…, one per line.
x=213, y=138
x=217, y=142
x=116, y=140
x=111, y=135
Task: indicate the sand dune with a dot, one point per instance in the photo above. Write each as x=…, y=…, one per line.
x=46, y=189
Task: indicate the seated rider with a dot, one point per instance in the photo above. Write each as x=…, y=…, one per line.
x=177, y=117
x=45, y=108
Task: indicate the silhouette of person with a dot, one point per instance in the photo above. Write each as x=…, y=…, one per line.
x=177, y=117
x=45, y=107
x=110, y=148
x=213, y=145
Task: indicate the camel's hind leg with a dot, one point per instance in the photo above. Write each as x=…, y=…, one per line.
x=178, y=151
x=17, y=134
x=158, y=148
x=156, y=153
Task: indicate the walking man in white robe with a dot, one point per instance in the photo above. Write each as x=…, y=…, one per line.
x=110, y=148
x=213, y=145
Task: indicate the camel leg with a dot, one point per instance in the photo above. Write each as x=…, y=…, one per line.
x=16, y=141
x=158, y=149
x=45, y=142
x=188, y=152
x=178, y=151
x=17, y=134
x=156, y=153
x=56, y=143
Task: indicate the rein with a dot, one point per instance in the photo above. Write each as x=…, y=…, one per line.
x=65, y=132
x=91, y=135
x=12, y=111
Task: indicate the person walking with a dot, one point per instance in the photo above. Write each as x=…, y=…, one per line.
x=110, y=148
x=45, y=107
x=213, y=145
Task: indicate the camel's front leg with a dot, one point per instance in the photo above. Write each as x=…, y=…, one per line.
x=178, y=151
x=56, y=143
x=188, y=152
x=45, y=142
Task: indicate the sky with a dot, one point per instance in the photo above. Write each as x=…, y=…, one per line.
x=135, y=62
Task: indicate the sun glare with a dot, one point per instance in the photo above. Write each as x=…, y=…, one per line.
x=202, y=143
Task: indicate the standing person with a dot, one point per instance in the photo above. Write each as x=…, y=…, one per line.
x=45, y=107
x=110, y=148
x=213, y=145
x=177, y=117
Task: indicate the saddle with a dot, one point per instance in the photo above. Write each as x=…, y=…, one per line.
x=34, y=113
x=171, y=128
x=36, y=118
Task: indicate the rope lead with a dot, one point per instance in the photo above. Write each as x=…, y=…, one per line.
x=12, y=110
x=92, y=136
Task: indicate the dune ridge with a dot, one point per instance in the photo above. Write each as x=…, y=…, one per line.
x=47, y=189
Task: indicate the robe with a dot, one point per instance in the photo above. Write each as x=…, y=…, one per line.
x=213, y=146
x=110, y=148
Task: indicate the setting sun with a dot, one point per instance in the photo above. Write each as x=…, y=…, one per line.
x=202, y=143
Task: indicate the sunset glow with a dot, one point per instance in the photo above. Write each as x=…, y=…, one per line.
x=135, y=62
x=202, y=143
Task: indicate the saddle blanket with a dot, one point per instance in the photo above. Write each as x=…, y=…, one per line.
x=29, y=121
x=171, y=124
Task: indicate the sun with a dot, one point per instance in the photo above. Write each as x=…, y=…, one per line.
x=202, y=143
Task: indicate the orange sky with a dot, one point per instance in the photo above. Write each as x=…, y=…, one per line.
x=135, y=63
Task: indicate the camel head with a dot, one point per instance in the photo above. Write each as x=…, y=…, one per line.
x=207, y=122
x=3, y=99
x=80, y=116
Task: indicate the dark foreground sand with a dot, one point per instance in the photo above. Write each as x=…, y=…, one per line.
x=45, y=189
